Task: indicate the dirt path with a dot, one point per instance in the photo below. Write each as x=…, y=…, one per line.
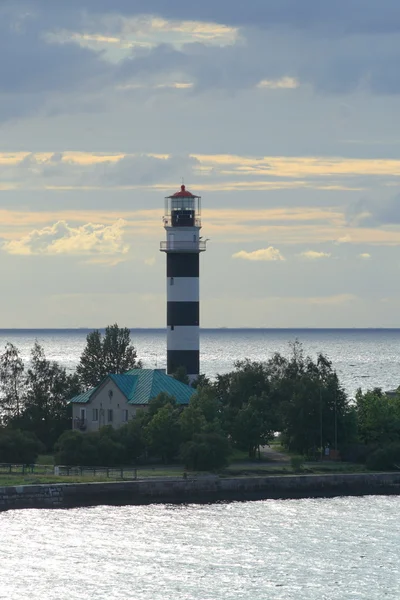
x=269, y=454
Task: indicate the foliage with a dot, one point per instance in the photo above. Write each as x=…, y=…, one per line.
x=202, y=381
x=47, y=387
x=206, y=452
x=203, y=415
x=297, y=463
x=98, y=448
x=158, y=402
x=378, y=417
x=314, y=409
x=254, y=424
x=111, y=353
x=132, y=437
x=18, y=447
x=247, y=407
x=11, y=383
x=163, y=433
x=385, y=459
x=181, y=375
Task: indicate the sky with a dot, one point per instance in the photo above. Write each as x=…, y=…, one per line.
x=283, y=115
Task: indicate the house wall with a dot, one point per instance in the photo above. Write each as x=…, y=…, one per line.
x=107, y=397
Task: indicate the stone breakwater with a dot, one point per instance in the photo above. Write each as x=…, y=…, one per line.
x=199, y=490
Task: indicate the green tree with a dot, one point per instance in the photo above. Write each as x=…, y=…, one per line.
x=163, y=433
x=111, y=353
x=254, y=425
x=314, y=409
x=385, y=459
x=181, y=375
x=133, y=439
x=202, y=415
x=11, y=383
x=47, y=389
x=19, y=447
x=378, y=417
x=206, y=452
x=156, y=403
x=202, y=381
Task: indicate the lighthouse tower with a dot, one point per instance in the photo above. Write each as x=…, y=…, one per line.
x=182, y=223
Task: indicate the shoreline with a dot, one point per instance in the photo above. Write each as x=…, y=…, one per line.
x=197, y=491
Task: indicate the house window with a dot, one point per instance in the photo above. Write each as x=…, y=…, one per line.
x=110, y=395
x=95, y=414
x=83, y=414
x=110, y=415
x=125, y=415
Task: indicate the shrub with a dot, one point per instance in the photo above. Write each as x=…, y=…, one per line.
x=385, y=459
x=206, y=452
x=19, y=447
x=297, y=463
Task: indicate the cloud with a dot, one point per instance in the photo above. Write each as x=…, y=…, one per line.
x=264, y=254
x=206, y=171
x=285, y=83
x=345, y=239
x=335, y=299
x=364, y=255
x=368, y=212
x=60, y=238
x=314, y=255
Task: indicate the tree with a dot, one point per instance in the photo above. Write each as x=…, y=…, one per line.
x=202, y=415
x=18, y=446
x=181, y=375
x=206, y=452
x=314, y=409
x=11, y=383
x=254, y=425
x=163, y=433
x=47, y=389
x=132, y=437
x=378, y=417
x=111, y=353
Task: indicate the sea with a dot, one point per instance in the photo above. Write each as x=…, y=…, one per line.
x=335, y=549
x=363, y=358
x=310, y=549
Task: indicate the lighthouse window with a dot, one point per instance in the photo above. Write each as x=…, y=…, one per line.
x=172, y=327
x=172, y=281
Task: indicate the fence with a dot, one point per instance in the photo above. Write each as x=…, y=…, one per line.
x=128, y=472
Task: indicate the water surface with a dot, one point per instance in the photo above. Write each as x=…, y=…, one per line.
x=333, y=549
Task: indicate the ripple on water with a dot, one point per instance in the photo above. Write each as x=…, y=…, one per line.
x=340, y=549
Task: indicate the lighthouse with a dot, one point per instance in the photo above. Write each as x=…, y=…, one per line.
x=182, y=223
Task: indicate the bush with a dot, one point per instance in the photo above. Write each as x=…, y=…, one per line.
x=19, y=447
x=206, y=452
x=105, y=448
x=297, y=463
x=385, y=459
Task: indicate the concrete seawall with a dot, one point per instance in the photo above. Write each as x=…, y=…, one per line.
x=201, y=490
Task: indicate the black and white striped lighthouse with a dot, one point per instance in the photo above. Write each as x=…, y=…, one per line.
x=182, y=223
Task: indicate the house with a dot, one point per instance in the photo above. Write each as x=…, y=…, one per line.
x=117, y=398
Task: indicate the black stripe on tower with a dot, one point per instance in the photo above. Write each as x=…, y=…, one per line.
x=183, y=313
x=183, y=265
x=190, y=359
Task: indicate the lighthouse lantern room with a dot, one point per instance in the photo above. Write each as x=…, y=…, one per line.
x=182, y=223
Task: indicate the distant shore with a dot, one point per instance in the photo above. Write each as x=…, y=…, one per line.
x=198, y=491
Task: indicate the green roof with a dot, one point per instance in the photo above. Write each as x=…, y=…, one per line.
x=139, y=386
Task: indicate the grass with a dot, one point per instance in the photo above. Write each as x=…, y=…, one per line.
x=45, y=459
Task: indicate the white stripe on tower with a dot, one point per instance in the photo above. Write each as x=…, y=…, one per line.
x=183, y=247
